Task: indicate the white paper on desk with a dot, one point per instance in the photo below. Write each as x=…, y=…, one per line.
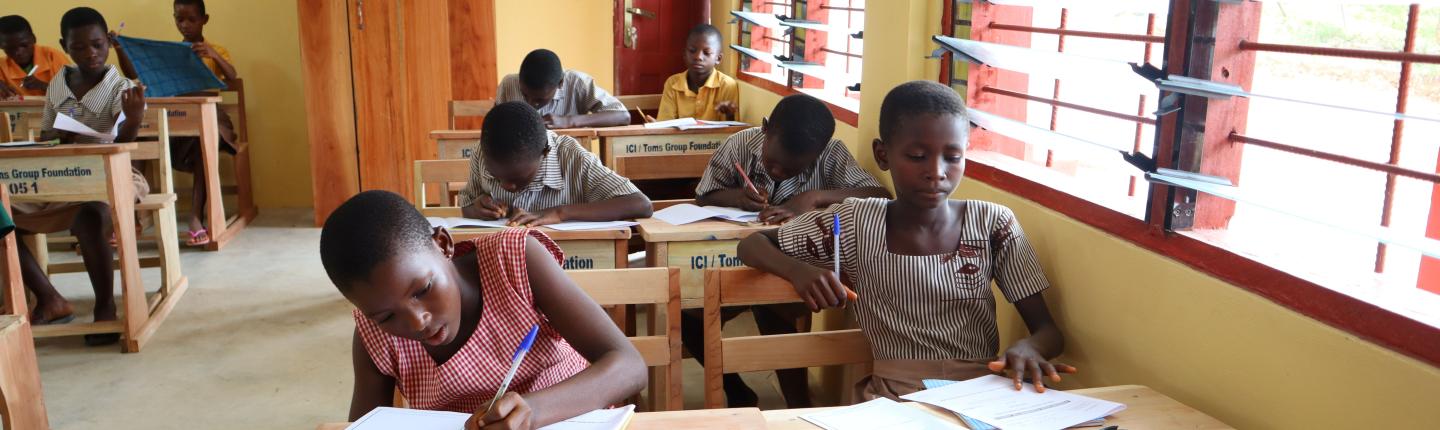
x=875, y=414
x=19, y=144
x=384, y=418
x=458, y=222
x=599, y=419
x=591, y=225
x=993, y=400
x=682, y=214
x=670, y=123
x=66, y=123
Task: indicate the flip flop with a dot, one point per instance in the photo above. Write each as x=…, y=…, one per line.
x=102, y=339
x=61, y=320
x=195, y=238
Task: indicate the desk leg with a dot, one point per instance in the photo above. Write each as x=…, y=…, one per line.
x=214, y=200
x=122, y=203
x=13, y=295
x=5, y=133
x=21, y=396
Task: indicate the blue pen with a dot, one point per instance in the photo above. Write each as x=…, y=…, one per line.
x=514, y=366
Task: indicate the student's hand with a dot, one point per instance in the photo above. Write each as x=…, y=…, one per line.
x=132, y=102
x=820, y=288
x=65, y=137
x=7, y=93
x=204, y=50
x=559, y=121
x=799, y=204
x=535, y=219
x=487, y=208
x=34, y=83
x=728, y=109
x=114, y=39
x=754, y=201
x=1023, y=360
x=511, y=412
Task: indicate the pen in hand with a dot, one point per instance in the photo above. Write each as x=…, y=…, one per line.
x=520, y=352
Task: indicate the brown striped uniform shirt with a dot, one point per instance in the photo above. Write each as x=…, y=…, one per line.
x=568, y=174
x=835, y=169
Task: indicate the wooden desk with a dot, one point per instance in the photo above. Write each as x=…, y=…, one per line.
x=584, y=250
x=188, y=116
x=452, y=144
x=640, y=153
x=1145, y=409
x=693, y=248
x=21, y=398
x=92, y=173
x=703, y=419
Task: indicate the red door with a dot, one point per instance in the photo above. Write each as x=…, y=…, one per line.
x=650, y=41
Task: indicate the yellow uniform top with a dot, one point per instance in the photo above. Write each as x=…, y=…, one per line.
x=679, y=102
x=48, y=63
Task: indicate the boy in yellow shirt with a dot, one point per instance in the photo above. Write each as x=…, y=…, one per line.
x=701, y=92
x=190, y=19
x=28, y=68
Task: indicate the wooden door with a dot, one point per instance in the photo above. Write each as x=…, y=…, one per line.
x=329, y=103
x=650, y=41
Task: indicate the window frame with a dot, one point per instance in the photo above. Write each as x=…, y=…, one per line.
x=846, y=110
x=1362, y=318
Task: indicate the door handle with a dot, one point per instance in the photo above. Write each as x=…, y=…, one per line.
x=360, y=13
x=641, y=12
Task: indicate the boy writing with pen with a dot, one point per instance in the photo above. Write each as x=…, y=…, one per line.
x=28, y=67
x=531, y=176
x=921, y=263
x=446, y=322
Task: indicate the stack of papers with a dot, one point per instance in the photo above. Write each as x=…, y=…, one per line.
x=687, y=213
x=384, y=418
x=692, y=124
x=876, y=414
x=992, y=402
x=453, y=223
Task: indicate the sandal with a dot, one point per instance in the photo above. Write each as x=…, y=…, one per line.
x=102, y=339
x=199, y=237
x=66, y=319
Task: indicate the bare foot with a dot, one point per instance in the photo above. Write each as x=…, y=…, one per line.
x=52, y=312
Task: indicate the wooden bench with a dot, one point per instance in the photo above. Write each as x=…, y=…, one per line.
x=746, y=286
x=659, y=288
x=469, y=109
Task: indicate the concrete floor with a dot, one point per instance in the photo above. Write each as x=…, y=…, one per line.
x=260, y=340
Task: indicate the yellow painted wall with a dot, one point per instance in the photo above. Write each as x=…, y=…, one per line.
x=263, y=39
x=1132, y=316
x=581, y=32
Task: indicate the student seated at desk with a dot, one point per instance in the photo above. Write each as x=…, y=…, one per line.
x=423, y=299
x=701, y=92
x=534, y=177
x=565, y=98
x=793, y=162
x=921, y=263
x=94, y=94
x=28, y=67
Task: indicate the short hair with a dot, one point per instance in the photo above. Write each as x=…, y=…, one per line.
x=541, y=69
x=706, y=30
x=367, y=230
x=15, y=24
x=513, y=131
x=82, y=17
x=803, y=122
x=918, y=98
x=199, y=4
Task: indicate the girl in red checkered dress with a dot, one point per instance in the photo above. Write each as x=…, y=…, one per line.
x=442, y=319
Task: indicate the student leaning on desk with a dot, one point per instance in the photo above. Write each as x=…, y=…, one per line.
x=440, y=320
x=921, y=263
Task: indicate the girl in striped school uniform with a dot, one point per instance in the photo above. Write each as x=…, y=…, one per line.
x=441, y=319
x=921, y=264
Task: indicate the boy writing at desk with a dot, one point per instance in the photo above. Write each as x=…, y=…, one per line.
x=534, y=177
x=921, y=263
x=565, y=98
x=441, y=319
x=95, y=95
x=28, y=68
x=701, y=92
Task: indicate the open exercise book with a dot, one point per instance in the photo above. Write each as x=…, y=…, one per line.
x=692, y=124
x=686, y=213
x=384, y=418
x=991, y=402
x=453, y=223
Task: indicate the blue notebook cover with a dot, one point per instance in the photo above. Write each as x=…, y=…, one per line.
x=168, y=69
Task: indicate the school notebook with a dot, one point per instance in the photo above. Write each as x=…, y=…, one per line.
x=975, y=424
x=692, y=124
x=992, y=400
x=682, y=214
x=453, y=223
x=385, y=418
x=877, y=414
x=169, y=69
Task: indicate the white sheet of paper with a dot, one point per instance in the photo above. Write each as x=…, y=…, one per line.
x=19, y=144
x=875, y=414
x=591, y=225
x=66, y=123
x=458, y=222
x=687, y=213
x=993, y=400
x=384, y=418
x=672, y=123
x=599, y=419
